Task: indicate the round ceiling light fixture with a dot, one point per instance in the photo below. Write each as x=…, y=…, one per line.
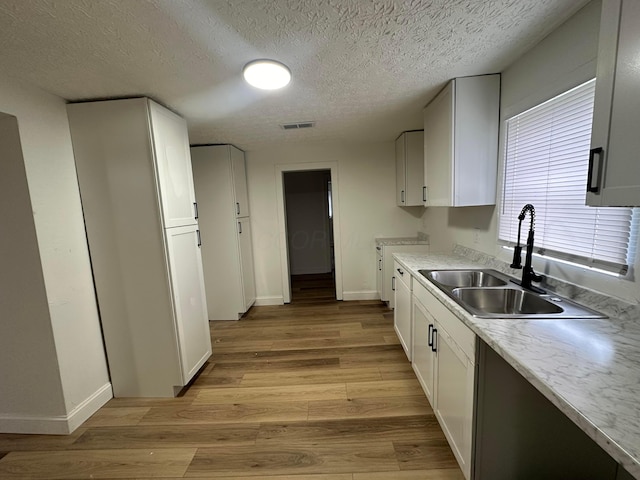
x=266, y=74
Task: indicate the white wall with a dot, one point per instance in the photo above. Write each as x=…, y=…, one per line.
x=308, y=224
x=367, y=201
x=57, y=215
x=564, y=59
x=25, y=325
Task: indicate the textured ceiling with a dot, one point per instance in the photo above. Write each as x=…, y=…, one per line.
x=362, y=69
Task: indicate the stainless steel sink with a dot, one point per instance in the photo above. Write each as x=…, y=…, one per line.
x=465, y=278
x=486, y=293
x=507, y=301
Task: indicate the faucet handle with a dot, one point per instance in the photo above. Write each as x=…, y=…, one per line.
x=536, y=277
x=517, y=257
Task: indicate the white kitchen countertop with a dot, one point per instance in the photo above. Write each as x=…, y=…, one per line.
x=386, y=241
x=589, y=369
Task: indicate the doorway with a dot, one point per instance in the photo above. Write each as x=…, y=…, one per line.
x=309, y=232
x=309, y=217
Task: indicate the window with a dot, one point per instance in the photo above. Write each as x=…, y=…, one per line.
x=546, y=161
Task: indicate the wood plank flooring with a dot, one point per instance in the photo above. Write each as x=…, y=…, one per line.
x=314, y=390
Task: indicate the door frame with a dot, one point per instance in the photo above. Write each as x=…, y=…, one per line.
x=282, y=223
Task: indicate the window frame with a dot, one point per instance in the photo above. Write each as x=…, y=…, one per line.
x=547, y=254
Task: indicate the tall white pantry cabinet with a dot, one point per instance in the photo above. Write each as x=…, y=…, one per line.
x=136, y=184
x=227, y=251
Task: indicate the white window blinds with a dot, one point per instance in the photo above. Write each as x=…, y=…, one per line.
x=546, y=162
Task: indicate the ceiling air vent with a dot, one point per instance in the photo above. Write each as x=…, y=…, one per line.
x=297, y=126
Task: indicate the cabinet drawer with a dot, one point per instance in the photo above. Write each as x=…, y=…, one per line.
x=402, y=275
x=460, y=333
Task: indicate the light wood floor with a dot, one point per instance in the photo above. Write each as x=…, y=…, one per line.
x=315, y=390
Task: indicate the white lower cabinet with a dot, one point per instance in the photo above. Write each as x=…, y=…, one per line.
x=454, y=396
x=402, y=313
x=246, y=263
x=187, y=285
x=386, y=270
x=444, y=362
x=424, y=360
x=379, y=274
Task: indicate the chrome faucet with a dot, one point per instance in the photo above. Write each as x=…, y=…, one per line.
x=528, y=275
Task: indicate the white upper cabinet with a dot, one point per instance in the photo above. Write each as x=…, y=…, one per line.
x=461, y=143
x=173, y=163
x=614, y=169
x=410, y=169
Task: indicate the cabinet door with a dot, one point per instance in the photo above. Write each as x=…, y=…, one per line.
x=414, y=161
x=423, y=356
x=402, y=311
x=410, y=169
x=187, y=285
x=614, y=168
x=389, y=268
x=475, y=155
x=239, y=173
x=246, y=263
x=438, y=148
x=173, y=167
x=401, y=172
x=454, y=396
x=461, y=142
x=379, y=276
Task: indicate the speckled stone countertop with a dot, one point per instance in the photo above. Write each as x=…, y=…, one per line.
x=589, y=369
x=419, y=240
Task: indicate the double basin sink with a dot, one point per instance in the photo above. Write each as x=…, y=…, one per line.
x=491, y=294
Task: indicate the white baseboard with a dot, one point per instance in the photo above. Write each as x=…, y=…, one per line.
x=91, y=405
x=57, y=424
x=364, y=295
x=346, y=296
x=261, y=301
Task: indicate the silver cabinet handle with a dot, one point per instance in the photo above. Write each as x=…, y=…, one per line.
x=195, y=209
x=393, y=283
x=400, y=271
x=237, y=208
x=199, y=238
x=240, y=228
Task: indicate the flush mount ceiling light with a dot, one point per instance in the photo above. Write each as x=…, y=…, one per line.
x=266, y=74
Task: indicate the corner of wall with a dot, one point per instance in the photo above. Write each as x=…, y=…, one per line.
x=56, y=424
